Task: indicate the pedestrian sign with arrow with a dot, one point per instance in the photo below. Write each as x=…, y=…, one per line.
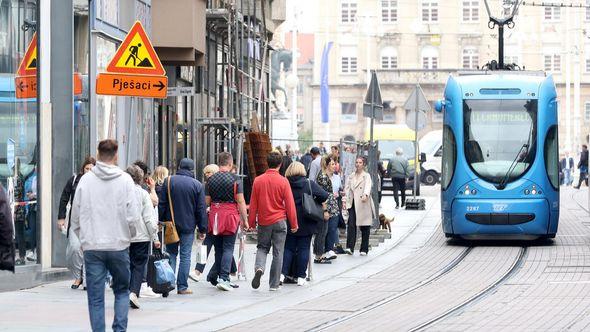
x=135, y=70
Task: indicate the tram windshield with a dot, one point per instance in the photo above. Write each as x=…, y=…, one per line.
x=500, y=137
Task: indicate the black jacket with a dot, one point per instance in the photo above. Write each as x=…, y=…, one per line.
x=583, y=159
x=67, y=195
x=188, y=202
x=299, y=186
x=6, y=234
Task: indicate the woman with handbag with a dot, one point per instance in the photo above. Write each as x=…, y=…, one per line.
x=361, y=209
x=332, y=212
x=74, y=255
x=225, y=197
x=297, y=244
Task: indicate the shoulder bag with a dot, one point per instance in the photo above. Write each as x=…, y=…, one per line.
x=170, y=232
x=312, y=209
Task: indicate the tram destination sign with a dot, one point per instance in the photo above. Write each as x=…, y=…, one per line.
x=135, y=70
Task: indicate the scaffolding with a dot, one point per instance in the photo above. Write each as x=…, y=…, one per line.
x=235, y=82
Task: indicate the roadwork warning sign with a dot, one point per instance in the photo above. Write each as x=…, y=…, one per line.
x=135, y=70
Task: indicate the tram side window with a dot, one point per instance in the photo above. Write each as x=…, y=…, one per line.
x=551, y=157
x=449, y=156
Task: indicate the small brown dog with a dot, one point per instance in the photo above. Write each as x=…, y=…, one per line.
x=385, y=223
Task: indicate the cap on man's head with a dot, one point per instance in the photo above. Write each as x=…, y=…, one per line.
x=187, y=164
x=315, y=150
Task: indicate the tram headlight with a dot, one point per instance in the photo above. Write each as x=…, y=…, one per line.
x=534, y=191
x=526, y=191
x=473, y=191
x=467, y=192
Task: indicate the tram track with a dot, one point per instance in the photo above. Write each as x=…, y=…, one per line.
x=449, y=267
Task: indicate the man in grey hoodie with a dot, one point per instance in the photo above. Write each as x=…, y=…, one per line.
x=104, y=215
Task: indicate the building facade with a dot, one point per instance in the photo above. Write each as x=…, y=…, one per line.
x=424, y=41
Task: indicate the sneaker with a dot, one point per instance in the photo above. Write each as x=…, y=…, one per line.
x=331, y=255
x=281, y=279
x=290, y=280
x=185, y=292
x=31, y=256
x=363, y=253
x=348, y=251
x=147, y=292
x=301, y=282
x=194, y=276
x=20, y=261
x=340, y=251
x=223, y=285
x=133, y=301
x=234, y=285
x=256, y=280
x=274, y=289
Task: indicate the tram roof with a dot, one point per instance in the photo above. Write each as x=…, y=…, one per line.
x=499, y=79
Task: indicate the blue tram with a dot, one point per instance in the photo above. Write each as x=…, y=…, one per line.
x=500, y=174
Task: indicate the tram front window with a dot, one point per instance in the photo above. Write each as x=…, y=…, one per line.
x=500, y=137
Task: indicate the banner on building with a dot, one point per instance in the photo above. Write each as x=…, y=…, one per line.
x=324, y=85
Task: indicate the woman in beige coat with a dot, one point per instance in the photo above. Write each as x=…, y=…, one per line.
x=360, y=207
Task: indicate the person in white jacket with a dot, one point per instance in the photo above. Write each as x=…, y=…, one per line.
x=146, y=232
x=104, y=215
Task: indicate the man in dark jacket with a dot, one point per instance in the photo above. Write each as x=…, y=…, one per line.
x=6, y=234
x=188, y=211
x=583, y=166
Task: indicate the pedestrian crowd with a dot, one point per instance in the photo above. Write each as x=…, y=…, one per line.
x=129, y=230
x=567, y=168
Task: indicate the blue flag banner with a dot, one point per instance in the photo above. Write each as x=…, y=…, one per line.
x=324, y=86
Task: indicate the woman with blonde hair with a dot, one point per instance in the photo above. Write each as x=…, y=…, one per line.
x=297, y=244
x=160, y=174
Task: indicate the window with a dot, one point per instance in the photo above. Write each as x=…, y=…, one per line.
x=430, y=57
x=500, y=138
x=348, y=11
x=449, y=157
x=348, y=112
x=430, y=11
x=552, y=157
x=471, y=11
x=588, y=65
x=552, y=13
x=348, y=60
x=389, y=11
x=587, y=10
x=587, y=112
x=470, y=58
x=389, y=58
x=552, y=62
x=439, y=152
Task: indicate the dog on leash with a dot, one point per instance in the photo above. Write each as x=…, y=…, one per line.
x=385, y=223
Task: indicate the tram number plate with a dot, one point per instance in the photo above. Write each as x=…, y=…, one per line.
x=472, y=208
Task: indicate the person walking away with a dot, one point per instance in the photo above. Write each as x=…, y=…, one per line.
x=188, y=211
x=316, y=165
x=147, y=183
x=287, y=160
x=272, y=205
x=104, y=215
x=324, y=238
x=7, y=251
x=398, y=169
x=297, y=245
x=160, y=175
x=74, y=254
x=360, y=207
x=570, y=164
x=146, y=232
x=583, y=166
x=306, y=160
x=225, y=196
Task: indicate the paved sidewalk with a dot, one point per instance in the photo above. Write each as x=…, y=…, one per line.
x=55, y=307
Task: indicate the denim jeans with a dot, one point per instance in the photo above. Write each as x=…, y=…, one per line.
x=567, y=177
x=117, y=264
x=332, y=236
x=224, y=256
x=296, y=248
x=186, y=246
x=272, y=235
x=138, y=256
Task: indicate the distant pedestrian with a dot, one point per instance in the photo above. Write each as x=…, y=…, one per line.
x=74, y=254
x=566, y=165
x=104, y=215
x=148, y=184
x=287, y=160
x=272, y=205
x=360, y=207
x=583, y=166
x=297, y=245
x=225, y=196
x=188, y=211
x=316, y=165
x=146, y=232
x=322, y=148
x=327, y=232
x=306, y=160
x=7, y=251
x=399, y=171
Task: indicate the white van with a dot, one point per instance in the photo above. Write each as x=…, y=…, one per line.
x=431, y=145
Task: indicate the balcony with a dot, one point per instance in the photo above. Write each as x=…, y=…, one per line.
x=413, y=76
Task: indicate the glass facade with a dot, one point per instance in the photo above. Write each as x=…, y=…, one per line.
x=18, y=126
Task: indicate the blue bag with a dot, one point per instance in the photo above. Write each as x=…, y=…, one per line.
x=164, y=272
